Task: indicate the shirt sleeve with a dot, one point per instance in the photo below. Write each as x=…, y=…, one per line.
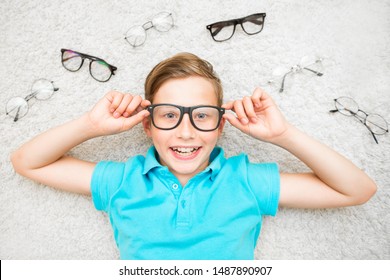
x=106, y=179
x=264, y=179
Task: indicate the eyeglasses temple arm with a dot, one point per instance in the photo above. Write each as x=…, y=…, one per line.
x=283, y=80
x=17, y=115
x=315, y=72
x=373, y=135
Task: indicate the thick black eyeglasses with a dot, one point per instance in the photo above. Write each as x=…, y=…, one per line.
x=99, y=69
x=169, y=116
x=224, y=30
x=375, y=123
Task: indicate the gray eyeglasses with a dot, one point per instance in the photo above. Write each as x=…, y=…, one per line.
x=99, y=69
x=309, y=65
x=375, y=123
x=136, y=35
x=17, y=107
x=224, y=30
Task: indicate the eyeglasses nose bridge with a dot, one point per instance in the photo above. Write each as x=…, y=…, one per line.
x=147, y=25
x=361, y=115
x=185, y=127
x=184, y=111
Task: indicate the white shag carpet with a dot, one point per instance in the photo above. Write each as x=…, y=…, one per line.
x=353, y=37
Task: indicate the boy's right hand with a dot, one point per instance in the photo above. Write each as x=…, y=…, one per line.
x=117, y=112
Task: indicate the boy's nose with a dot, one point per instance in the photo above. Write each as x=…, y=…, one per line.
x=185, y=130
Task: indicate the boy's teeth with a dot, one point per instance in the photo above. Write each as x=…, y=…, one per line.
x=185, y=150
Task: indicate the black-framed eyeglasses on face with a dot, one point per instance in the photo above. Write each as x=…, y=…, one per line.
x=169, y=116
x=99, y=69
x=17, y=107
x=375, y=123
x=162, y=22
x=224, y=30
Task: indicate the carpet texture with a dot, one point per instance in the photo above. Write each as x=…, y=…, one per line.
x=352, y=37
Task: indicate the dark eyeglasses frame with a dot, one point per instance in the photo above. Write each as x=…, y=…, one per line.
x=235, y=22
x=360, y=118
x=186, y=110
x=83, y=56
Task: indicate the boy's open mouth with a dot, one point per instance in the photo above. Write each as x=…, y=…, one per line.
x=185, y=151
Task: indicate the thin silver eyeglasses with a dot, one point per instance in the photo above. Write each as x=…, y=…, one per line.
x=375, y=123
x=17, y=107
x=308, y=65
x=136, y=35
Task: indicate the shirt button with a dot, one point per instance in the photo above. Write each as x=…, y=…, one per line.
x=175, y=186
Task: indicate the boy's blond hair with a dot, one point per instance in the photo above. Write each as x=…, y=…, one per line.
x=179, y=66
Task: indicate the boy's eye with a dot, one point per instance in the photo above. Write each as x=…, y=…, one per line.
x=170, y=115
x=200, y=116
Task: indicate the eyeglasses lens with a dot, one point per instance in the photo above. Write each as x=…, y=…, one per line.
x=100, y=70
x=136, y=36
x=206, y=118
x=42, y=89
x=71, y=61
x=347, y=106
x=253, y=24
x=376, y=124
x=168, y=117
x=16, y=108
x=163, y=21
x=222, y=31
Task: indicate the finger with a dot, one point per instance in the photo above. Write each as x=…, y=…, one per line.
x=240, y=112
x=130, y=122
x=122, y=107
x=132, y=107
x=256, y=96
x=115, y=99
x=261, y=98
x=228, y=106
x=249, y=110
x=145, y=103
x=235, y=122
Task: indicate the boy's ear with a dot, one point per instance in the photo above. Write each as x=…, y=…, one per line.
x=147, y=124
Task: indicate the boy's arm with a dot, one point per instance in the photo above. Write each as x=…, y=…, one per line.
x=335, y=181
x=43, y=158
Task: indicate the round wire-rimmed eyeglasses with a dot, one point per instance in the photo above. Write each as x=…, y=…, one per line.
x=17, y=107
x=136, y=35
x=311, y=65
x=169, y=116
x=375, y=123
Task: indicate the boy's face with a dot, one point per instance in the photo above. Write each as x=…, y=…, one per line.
x=184, y=149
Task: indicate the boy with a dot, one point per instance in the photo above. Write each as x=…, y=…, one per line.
x=184, y=200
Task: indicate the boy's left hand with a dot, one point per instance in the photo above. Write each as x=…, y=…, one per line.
x=257, y=116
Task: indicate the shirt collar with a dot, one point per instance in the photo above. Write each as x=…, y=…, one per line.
x=216, y=161
x=151, y=160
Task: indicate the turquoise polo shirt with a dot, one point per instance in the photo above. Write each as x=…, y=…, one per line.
x=217, y=215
